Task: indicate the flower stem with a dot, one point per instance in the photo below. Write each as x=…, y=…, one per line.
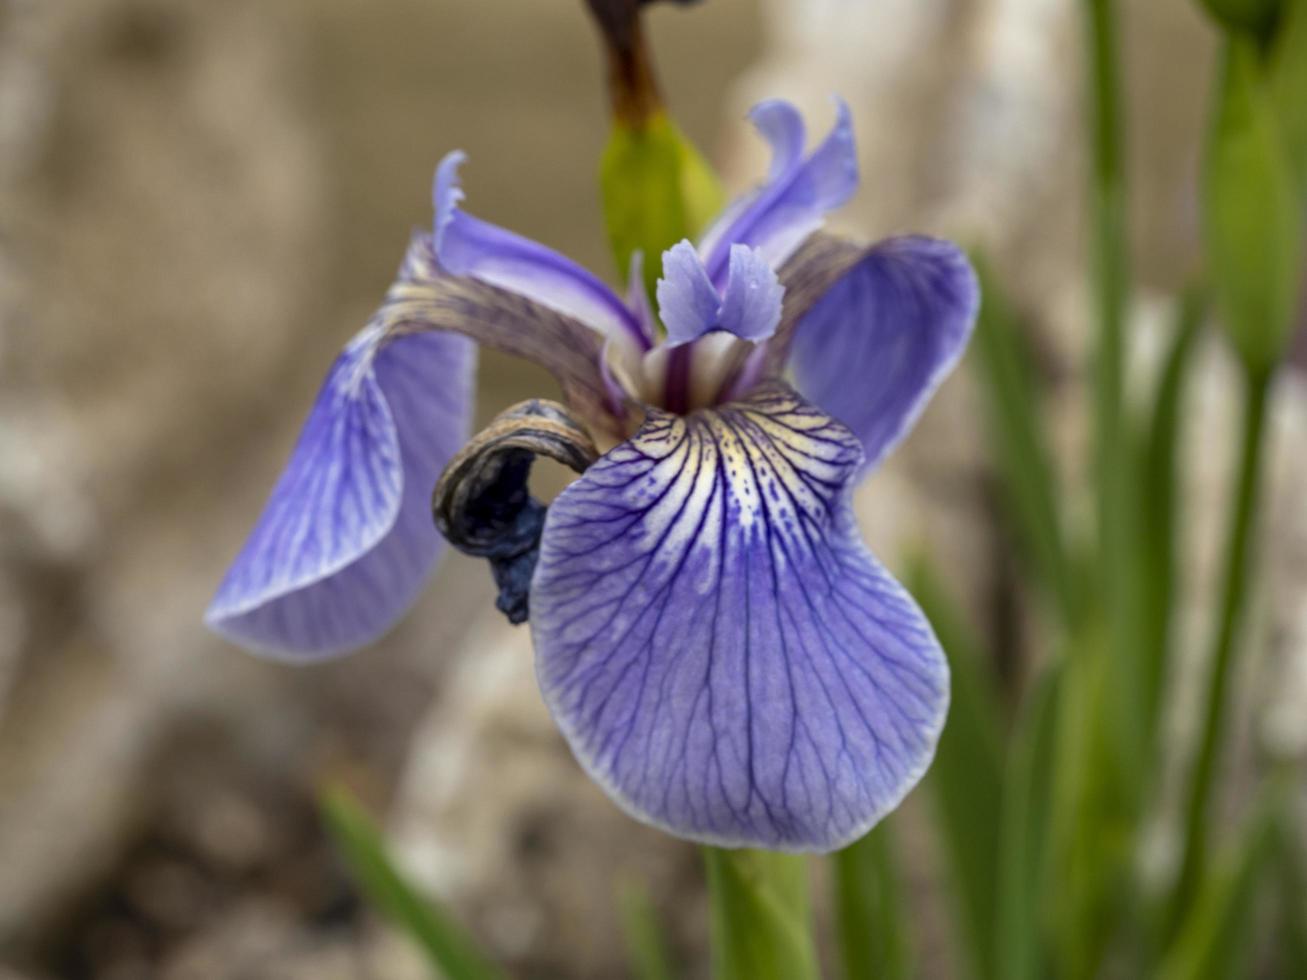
x=1238, y=573
x=761, y=920
x=1110, y=251
x=632, y=87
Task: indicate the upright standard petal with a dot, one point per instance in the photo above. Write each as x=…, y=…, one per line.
x=690, y=306
x=346, y=539
x=722, y=652
x=467, y=246
x=874, y=347
x=687, y=301
x=751, y=304
x=793, y=203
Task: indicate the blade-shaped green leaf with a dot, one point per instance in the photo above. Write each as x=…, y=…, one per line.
x=761, y=923
x=644, y=940
x=1158, y=469
x=1023, y=851
x=1093, y=816
x=873, y=934
x=1288, y=80
x=1216, y=938
x=966, y=776
x=1021, y=446
x=448, y=948
x=1292, y=923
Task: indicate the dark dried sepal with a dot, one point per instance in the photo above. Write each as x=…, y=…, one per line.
x=483, y=505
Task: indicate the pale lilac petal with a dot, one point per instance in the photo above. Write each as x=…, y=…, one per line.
x=872, y=351
x=797, y=196
x=687, y=301
x=467, y=246
x=781, y=125
x=346, y=540
x=725, y=657
x=751, y=306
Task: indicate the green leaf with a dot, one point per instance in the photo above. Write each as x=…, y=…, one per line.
x=873, y=935
x=644, y=940
x=1216, y=939
x=1023, y=849
x=1287, y=70
x=761, y=924
x=1093, y=817
x=966, y=776
x=1020, y=445
x=448, y=948
x=1253, y=216
x=1158, y=471
x=657, y=190
x=1292, y=945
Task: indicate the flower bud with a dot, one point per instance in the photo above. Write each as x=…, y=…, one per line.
x=1253, y=215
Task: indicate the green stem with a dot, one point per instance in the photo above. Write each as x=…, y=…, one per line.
x=761, y=920
x=1111, y=264
x=869, y=916
x=1158, y=473
x=1238, y=573
x=1117, y=573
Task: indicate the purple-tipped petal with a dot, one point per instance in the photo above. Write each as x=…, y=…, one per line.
x=751, y=306
x=467, y=246
x=793, y=203
x=687, y=301
x=873, y=349
x=346, y=539
x=722, y=652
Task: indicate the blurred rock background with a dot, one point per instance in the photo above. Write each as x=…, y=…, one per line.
x=199, y=203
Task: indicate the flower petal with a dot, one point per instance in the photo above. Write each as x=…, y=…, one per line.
x=687, y=301
x=798, y=193
x=346, y=539
x=467, y=246
x=690, y=305
x=873, y=349
x=751, y=306
x=425, y=297
x=721, y=651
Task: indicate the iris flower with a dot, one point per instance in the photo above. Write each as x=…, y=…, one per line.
x=722, y=652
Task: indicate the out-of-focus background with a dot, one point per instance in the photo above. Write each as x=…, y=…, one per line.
x=200, y=202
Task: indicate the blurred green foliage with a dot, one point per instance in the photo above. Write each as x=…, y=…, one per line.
x=447, y=947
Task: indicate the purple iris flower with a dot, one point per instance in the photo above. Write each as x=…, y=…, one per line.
x=722, y=652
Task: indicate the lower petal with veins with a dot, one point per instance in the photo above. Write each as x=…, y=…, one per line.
x=722, y=652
